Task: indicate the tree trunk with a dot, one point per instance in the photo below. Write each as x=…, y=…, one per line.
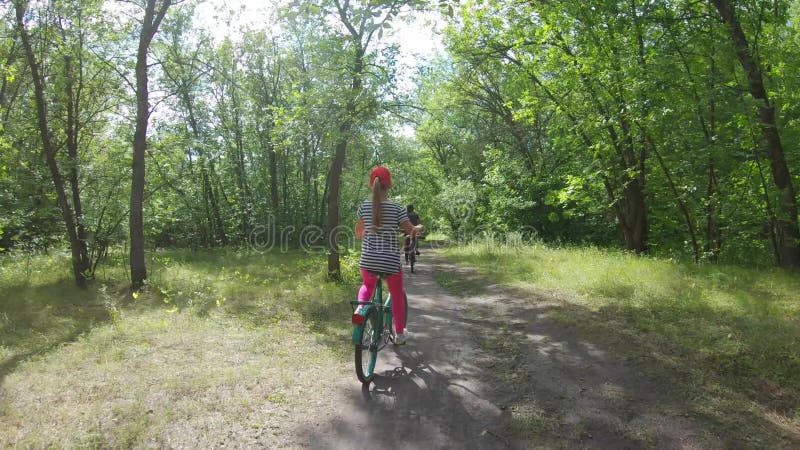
x=4, y=102
x=138, y=268
x=713, y=238
x=634, y=161
x=150, y=24
x=687, y=217
x=773, y=238
x=636, y=227
x=207, y=230
x=221, y=234
x=242, y=187
x=73, y=129
x=206, y=227
x=713, y=244
x=273, y=181
x=335, y=175
x=630, y=207
x=78, y=262
x=243, y=195
x=334, y=182
x=286, y=200
x=786, y=223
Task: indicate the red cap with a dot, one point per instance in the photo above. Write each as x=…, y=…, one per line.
x=382, y=173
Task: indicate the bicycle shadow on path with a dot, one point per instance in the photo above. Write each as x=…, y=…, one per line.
x=425, y=394
x=489, y=373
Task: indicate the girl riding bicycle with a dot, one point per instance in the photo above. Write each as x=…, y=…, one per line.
x=379, y=221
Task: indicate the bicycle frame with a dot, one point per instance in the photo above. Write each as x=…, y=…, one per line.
x=376, y=317
x=410, y=245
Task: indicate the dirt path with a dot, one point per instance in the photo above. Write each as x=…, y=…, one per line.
x=493, y=373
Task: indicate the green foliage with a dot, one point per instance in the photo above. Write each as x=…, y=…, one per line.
x=539, y=118
x=459, y=200
x=559, y=114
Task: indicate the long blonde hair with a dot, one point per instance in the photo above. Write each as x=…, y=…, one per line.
x=378, y=194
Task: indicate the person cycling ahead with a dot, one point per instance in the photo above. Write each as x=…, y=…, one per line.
x=413, y=217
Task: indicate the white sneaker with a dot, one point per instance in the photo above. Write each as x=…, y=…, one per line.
x=400, y=339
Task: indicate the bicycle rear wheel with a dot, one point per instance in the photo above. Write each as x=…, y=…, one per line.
x=367, y=348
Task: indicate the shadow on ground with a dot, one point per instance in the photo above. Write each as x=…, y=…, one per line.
x=503, y=372
x=35, y=320
x=424, y=394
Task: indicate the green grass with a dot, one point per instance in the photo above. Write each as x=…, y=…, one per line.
x=728, y=337
x=220, y=346
x=435, y=236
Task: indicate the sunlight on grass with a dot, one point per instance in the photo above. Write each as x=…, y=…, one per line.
x=711, y=305
x=165, y=380
x=220, y=346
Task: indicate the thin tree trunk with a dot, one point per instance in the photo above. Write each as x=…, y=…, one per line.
x=138, y=268
x=773, y=238
x=78, y=262
x=319, y=200
x=620, y=209
x=221, y=234
x=681, y=204
x=786, y=223
x=713, y=240
x=713, y=243
x=305, y=182
x=243, y=189
x=286, y=200
x=12, y=55
x=150, y=24
x=269, y=89
x=334, y=182
x=206, y=231
x=207, y=234
x=633, y=187
x=273, y=181
x=631, y=205
x=335, y=174
x=73, y=129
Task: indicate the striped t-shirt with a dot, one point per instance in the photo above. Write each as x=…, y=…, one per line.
x=379, y=251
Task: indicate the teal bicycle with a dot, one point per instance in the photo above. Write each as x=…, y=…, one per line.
x=373, y=330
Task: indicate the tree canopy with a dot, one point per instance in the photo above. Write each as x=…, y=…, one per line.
x=665, y=128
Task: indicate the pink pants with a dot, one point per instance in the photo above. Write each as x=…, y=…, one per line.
x=395, y=282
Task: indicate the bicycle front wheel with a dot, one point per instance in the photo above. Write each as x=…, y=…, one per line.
x=367, y=348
